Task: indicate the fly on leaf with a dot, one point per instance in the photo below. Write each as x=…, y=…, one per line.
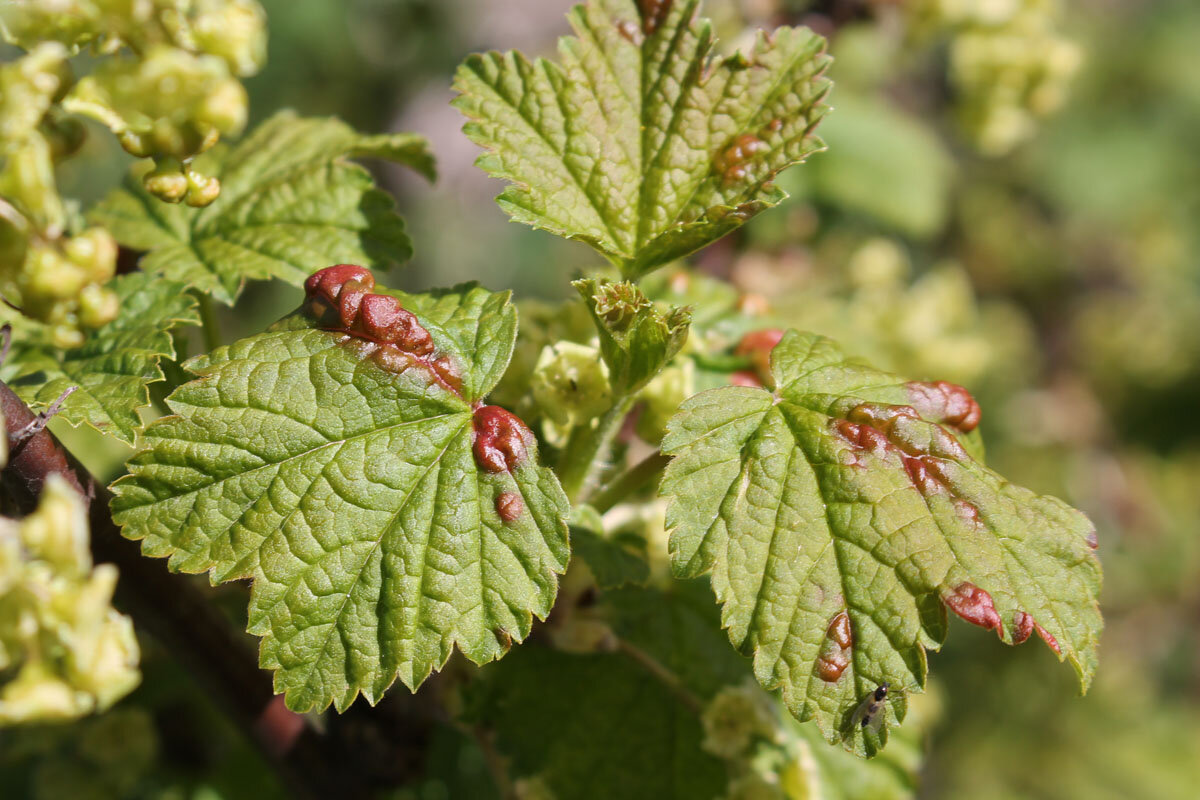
x=870, y=712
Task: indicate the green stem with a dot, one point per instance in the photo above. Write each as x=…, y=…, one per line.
x=208, y=318
x=648, y=470
x=587, y=448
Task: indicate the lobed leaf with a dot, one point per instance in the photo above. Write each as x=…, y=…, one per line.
x=636, y=340
x=338, y=474
x=115, y=364
x=290, y=202
x=841, y=514
x=643, y=143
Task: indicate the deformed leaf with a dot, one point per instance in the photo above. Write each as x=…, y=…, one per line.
x=642, y=143
x=384, y=516
x=290, y=202
x=112, y=368
x=840, y=515
x=636, y=339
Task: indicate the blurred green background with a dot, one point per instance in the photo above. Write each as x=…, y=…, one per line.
x=1058, y=280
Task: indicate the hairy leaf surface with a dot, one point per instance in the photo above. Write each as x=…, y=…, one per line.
x=290, y=203
x=840, y=515
x=116, y=362
x=347, y=489
x=642, y=143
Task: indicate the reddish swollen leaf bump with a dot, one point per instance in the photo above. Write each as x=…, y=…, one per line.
x=344, y=291
x=945, y=402
x=1022, y=627
x=920, y=474
x=382, y=318
x=835, y=652
x=863, y=437
x=500, y=439
x=327, y=283
x=1048, y=639
x=510, y=506
x=732, y=162
x=975, y=606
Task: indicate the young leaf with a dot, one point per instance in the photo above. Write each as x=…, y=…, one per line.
x=643, y=143
x=290, y=202
x=383, y=515
x=840, y=514
x=116, y=362
x=636, y=340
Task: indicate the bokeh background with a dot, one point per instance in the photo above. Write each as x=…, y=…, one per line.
x=1019, y=217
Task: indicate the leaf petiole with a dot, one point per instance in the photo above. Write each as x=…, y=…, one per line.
x=588, y=448
x=648, y=470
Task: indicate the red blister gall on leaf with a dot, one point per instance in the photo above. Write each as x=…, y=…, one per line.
x=501, y=439
x=327, y=283
x=1022, y=627
x=945, y=402
x=382, y=318
x=974, y=605
x=509, y=506
x=344, y=291
x=1048, y=639
x=733, y=163
x=835, y=651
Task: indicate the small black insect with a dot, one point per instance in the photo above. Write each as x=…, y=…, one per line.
x=870, y=712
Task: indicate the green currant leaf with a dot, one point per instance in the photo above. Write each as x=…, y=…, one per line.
x=112, y=368
x=290, y=203
x=642, y=143
x=629, y=734
x=841, y=514
x=345, y=478
x=636, y=339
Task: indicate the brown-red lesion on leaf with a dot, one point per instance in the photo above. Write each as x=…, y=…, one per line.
x=733, y=162
x=340, y=298
x=945, y=402
x=923, y=448
x=835, y=650
x=510, y=506
x=501, y=440
x=976, y=606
